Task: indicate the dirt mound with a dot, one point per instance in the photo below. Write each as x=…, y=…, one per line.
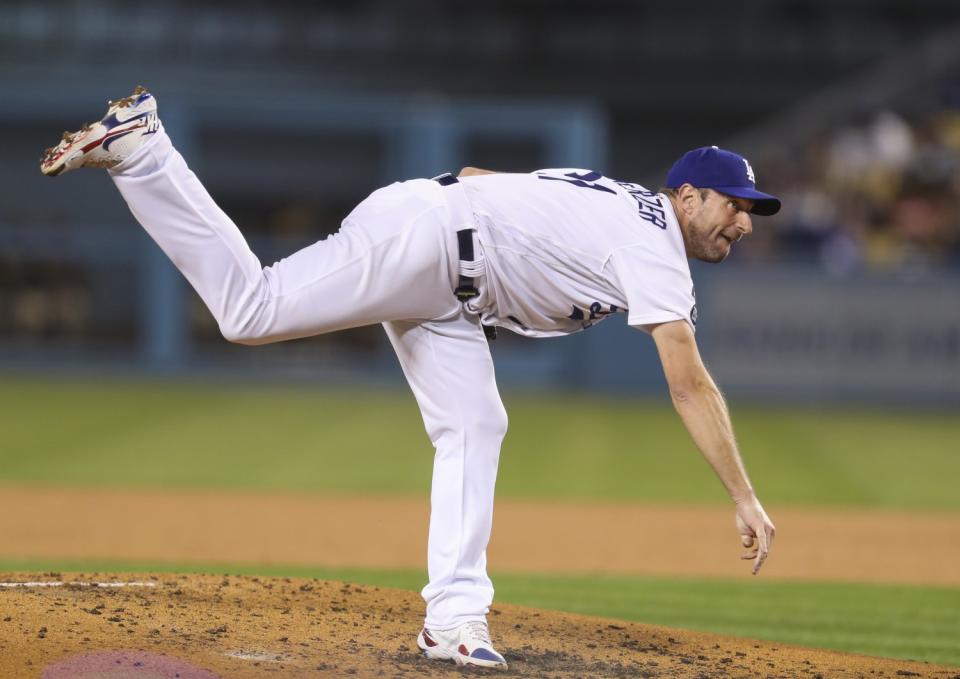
x=96, y=625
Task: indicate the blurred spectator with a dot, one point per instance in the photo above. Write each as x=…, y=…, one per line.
x=879, y=194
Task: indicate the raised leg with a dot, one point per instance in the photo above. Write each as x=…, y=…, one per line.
x=389, y=261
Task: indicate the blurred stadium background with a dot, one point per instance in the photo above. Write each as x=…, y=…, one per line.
x=292, y=112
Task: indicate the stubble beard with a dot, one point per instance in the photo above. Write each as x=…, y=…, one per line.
x=700, y=244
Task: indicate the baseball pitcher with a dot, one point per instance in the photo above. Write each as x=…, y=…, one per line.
x=442, y=263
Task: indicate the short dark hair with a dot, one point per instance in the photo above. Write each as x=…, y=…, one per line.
x=673, y=192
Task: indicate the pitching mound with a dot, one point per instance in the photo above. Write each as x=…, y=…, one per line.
x=93, y=626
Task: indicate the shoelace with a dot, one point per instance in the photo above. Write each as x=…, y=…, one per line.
x=478, y=630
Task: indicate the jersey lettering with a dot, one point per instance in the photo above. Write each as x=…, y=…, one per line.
x=595, y=311
x=650, y=206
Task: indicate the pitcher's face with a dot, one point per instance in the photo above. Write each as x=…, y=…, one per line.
x=719, y=223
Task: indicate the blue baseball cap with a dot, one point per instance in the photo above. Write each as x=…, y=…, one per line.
x=714, y=168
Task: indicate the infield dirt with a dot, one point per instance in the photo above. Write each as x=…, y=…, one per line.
x=202, y=627
x=230, y=527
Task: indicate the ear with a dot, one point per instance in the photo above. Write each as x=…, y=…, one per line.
x=688, y=199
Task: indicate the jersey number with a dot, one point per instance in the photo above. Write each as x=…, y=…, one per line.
x=650, y=207
x=585, y=179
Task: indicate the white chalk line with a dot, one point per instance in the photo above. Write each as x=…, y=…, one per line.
x=258, y=656
x=58, y=583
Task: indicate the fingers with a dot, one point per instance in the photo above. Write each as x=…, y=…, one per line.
x=746, y=532
x=756, y=534
x=763, y=548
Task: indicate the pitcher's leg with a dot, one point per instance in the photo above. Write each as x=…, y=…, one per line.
x=199, y=238
x=384, y=264
x=450, y=371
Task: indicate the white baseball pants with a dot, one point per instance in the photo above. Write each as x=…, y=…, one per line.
x=395, y=262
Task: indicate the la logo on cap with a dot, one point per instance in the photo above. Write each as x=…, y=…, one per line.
x=749, y=171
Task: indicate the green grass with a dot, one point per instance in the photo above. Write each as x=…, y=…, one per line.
x=916, y=623
x=352, y=441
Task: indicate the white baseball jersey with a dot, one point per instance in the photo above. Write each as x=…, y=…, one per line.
x=565, y=248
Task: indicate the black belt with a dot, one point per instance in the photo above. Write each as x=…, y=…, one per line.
x=465, y=289
x=465, y=286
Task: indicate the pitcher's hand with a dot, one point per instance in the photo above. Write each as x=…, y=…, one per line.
x=756, y=531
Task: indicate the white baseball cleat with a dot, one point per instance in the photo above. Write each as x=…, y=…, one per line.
x=468, y=644
x=127, y=124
